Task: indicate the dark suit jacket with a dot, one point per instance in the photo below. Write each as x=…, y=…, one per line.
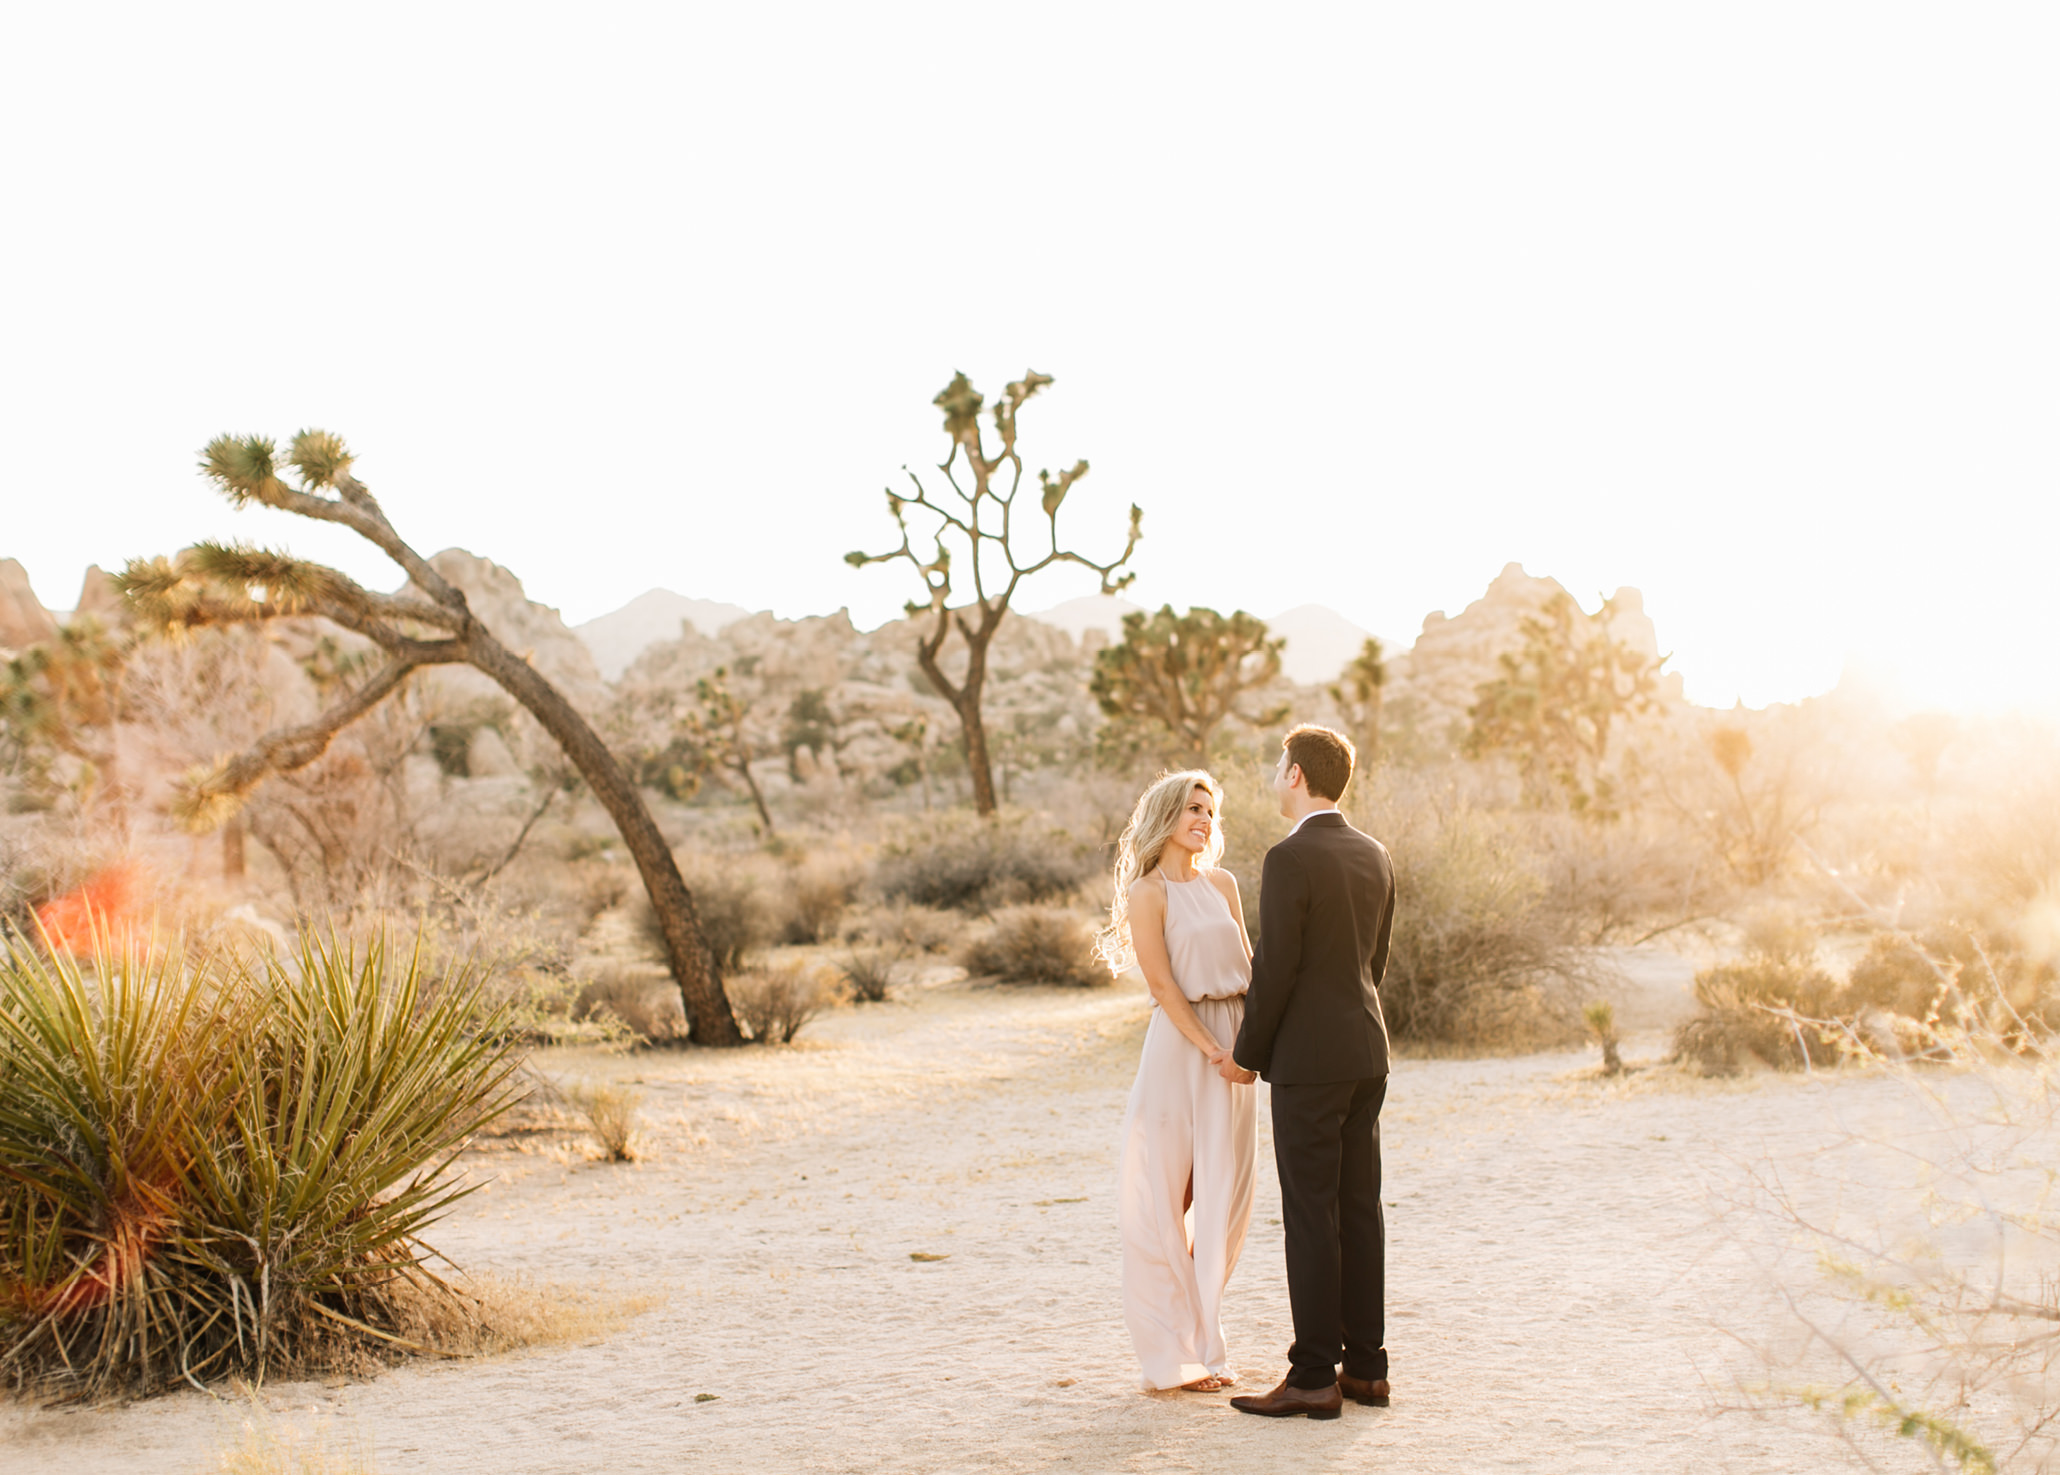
x=1326, y=906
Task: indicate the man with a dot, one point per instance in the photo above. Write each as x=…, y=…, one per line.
x=1313, y=1029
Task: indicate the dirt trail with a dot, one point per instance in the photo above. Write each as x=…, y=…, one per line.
x=1559, y=1294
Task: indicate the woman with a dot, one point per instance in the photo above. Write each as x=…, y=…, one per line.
x=1187, y=1135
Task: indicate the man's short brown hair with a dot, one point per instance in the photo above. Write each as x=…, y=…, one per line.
x=1325, y=758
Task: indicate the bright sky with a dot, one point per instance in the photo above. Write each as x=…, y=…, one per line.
x=1751, y=306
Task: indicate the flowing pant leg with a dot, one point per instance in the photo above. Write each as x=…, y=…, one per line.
x=1224, y=1178
x=1160, y=1299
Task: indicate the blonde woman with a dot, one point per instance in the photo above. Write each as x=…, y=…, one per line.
x=1187, y=1135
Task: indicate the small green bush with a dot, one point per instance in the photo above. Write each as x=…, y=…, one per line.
x=1036, y=945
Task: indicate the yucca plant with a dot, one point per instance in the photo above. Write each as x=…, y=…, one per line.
x=221, y=1164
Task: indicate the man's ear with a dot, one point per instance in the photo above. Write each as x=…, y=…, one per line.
x=1296, y=779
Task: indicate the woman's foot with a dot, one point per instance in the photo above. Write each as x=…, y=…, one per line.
x=1214, y=1383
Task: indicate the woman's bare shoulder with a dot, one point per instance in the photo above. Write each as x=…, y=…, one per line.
x=1148, y=890
x=1224, y=882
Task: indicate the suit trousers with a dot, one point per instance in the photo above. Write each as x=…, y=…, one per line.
x=1326, y=1144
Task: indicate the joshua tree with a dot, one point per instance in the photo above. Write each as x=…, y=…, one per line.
x=1358, y=691
x=1558, y=700
x=1185, y=673
x=717, y=732
x=427, y=624
x=63, y=697
x=980, y=523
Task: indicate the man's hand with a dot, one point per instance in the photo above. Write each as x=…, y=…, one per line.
x=1230, y=1070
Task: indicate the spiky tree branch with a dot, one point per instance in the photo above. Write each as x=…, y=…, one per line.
x=1186, y=673
x=224, y=584
x=983, y=520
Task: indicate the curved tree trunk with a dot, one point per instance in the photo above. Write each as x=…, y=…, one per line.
x=709, y=1020
x=965, y=699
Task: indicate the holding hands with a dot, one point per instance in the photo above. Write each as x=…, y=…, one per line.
x=1230, y=1070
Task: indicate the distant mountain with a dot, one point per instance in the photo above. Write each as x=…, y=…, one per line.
x=620, y=637
x=1103, y=612
x=1319, y=642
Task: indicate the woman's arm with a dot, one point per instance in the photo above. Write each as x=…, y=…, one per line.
x=1148, y=941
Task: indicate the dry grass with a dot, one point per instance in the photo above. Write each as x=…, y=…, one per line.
x=610, y=1112
x=494, y=1315
x=774, y=1001
x=268, y=1446
x=869, y=971
x=647, y=1007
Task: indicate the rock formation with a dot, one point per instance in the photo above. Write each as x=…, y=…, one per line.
x=23, y=620
x=1433, y=683
x=99, y=598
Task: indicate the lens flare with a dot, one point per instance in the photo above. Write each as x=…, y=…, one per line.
x=107, y=902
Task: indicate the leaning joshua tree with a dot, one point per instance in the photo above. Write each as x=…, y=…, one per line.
x=980, y=523
x=427, y=624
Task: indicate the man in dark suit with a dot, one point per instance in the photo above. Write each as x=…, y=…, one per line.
x=1313, y=1029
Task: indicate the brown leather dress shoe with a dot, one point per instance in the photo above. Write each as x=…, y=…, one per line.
x=1373, y=1392
x=1284, y=1402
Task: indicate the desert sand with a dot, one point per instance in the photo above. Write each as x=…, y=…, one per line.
x=1564, y=1285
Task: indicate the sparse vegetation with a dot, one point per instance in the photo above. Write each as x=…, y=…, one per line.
x=775, y=1000
x=869, y=972
x=1601, y=1018
x=1479, y=955
x=977, y=867
x=610, y=1112
x=225, y=1164
x=1033, y=944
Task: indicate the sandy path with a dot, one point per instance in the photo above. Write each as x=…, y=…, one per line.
x=1556, y=1279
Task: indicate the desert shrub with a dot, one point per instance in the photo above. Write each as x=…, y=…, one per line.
x=869, y=971
x=977, y=865
x=647, y=1007
x=1907, y=995
x=610, y=1112
x=819, y=889
x=1478, y=956
x=1762, y=1008
x=1036, y=945
x=773, y=1002
x=911, y=928
x=740, y=902
x=1898, y=975
x=221, y=1165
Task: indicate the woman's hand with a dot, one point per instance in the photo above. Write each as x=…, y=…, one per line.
x=1230, y=1070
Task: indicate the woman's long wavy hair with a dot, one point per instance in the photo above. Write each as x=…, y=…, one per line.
x=1151, y=825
